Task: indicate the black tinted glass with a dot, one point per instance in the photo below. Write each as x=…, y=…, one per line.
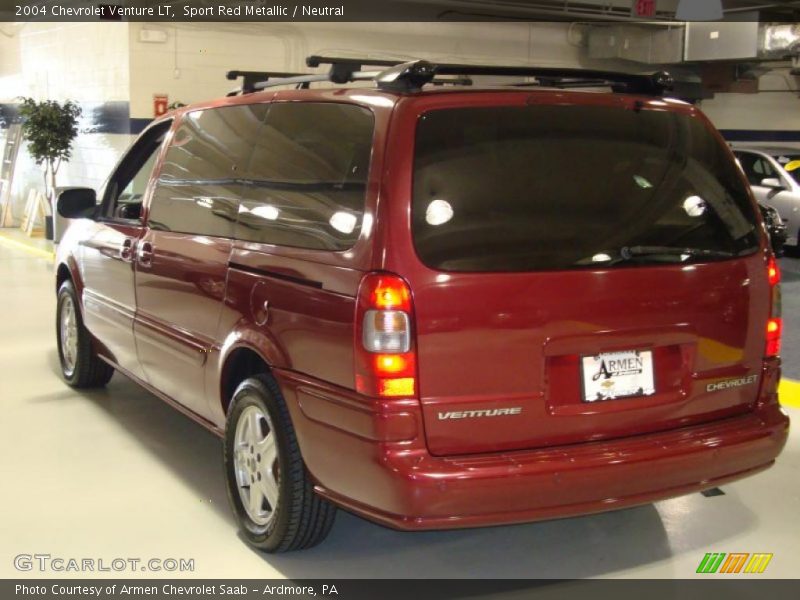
x=124, y=194
x=308, y=177
x=203, y=177
x=198, y=208
x=214, y=143
x=756, y=168
x=557, y=187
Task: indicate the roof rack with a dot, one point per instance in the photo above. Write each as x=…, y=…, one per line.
x=654, y=84
x=440, y=81
x=250, y=78
x=355, y=63
x=409, y=77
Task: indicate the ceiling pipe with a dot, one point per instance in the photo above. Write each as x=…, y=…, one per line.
x=498, y=9
x=757, y=8
x=566, y=9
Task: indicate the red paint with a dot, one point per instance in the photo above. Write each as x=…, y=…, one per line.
x=480, y=342
x=644, y=8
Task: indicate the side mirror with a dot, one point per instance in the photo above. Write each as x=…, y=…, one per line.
x=130, y=211
x=76, y=203
x=773, y=183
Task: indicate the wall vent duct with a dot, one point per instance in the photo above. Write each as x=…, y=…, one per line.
x=742, y=40
x=649, y=44
x=657, y=43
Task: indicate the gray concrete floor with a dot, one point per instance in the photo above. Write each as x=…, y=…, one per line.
x=118, y=474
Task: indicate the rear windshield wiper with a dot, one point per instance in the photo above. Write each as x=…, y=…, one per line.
x=667, y=252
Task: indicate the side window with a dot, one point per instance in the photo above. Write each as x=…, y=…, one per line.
x=125, y=190
x=136, y=187
x=202, y=178
x=763, y=169
x=308, y=177
x=745, y=160
x=755, y=167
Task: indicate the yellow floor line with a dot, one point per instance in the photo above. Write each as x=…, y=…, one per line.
x=789, y=393
x=27, y=248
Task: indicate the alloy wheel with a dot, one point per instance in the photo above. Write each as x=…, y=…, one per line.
x=255, y=460
x=68, y=329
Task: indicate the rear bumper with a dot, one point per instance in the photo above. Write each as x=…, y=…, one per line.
x=518, y=487
x=401, y=485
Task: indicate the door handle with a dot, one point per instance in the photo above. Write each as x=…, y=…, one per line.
x=144, y=254
x=126, y=250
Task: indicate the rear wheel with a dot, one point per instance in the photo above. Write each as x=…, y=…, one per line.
x=269, y=487
x=80, y=365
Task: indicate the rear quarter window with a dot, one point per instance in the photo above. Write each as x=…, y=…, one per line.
x=287, y=174
x=308, y=177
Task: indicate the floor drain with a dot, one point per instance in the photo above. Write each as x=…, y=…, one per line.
x=712, y=492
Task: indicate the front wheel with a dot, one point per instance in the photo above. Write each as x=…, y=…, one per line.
x=269, y=486
x=80, y=365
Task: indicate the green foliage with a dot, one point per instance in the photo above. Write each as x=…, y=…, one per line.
x=49, y=128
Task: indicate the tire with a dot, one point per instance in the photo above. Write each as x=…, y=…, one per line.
x=80, y=365
x=285, y=514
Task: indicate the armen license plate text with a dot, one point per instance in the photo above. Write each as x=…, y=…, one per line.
x=617, y=375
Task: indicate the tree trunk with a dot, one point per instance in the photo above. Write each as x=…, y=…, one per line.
x=46, y=181
x=52, y=190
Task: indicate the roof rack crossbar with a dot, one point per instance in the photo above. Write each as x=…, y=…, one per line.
x=250, y=78
x=654, y=84
x=451, y=80
x=424, y=72
x=304, y=80
x=290, y=80
x=558, y=82
x=412, y=76
x=356, y=63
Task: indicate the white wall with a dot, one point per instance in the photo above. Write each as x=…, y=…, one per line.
x=190, y=65
x=9, y=59
x=767, y=111
x=76, y=61
x=106, y=62
x=84, y=62
x=202, y=53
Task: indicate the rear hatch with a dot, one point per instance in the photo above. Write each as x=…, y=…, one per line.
x=584, y=272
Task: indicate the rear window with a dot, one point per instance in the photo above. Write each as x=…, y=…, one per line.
x=560, y=187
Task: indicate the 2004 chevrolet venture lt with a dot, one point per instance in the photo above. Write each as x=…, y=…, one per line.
x=431, y=304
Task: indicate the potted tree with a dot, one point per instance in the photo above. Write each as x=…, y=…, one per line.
x=49, y=128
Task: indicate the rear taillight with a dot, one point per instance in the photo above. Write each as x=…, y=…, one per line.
x=773, y=272
x=774, y=327
x=386, y=362
x=774, y=323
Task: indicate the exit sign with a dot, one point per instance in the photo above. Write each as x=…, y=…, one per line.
x=644, y=8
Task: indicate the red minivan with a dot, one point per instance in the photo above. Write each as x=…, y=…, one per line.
x=435, y=305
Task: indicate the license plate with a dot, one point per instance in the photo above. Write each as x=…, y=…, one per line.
x=617, y=375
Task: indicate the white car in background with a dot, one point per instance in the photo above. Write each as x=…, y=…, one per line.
x=774, y=175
